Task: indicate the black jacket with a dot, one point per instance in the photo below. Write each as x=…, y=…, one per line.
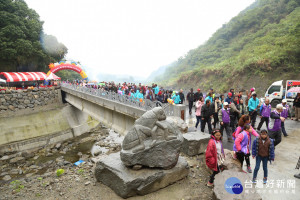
x=296, y=103
x=190, y=96
x=197, y=95
x=181, y=95
x=206, y=111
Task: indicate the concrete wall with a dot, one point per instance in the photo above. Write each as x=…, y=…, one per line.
x=112, y=118
x=44, y=127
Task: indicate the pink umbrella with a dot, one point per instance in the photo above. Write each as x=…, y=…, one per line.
x=294, y=89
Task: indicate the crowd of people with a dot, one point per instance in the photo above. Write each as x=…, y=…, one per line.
x=239, y=120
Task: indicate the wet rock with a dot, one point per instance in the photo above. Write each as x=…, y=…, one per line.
x=127, y=182
x=4, y=158
x=6, y=178
x=17, y=160
x=14, y=171
x=28, y=154
x=58, y=145
x=4, y=174
x=194, y=143
x=36, y=157
x=221, y=193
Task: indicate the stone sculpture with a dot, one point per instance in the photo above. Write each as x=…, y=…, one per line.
x=153, y=141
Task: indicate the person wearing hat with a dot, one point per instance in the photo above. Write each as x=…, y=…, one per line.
x=229, y=98
x=198, y=94
x=253, y=104
x=224, y=118
x=274, y=127
x=284, y=114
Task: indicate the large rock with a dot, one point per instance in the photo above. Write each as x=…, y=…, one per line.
x=127, y=182
x=230, y=163
x=227, y=179
x=194, y=143
x=152, y=141
x=183, y=127
x=17, y=160
x=164, y=155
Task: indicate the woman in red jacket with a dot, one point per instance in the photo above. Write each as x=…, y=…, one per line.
x=214, y=155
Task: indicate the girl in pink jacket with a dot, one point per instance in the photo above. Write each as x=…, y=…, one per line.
x=199, y=104
x=244, y=120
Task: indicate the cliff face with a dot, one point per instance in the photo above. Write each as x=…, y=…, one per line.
x=257, y=47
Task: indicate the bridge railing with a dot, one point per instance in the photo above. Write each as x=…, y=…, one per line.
x=144, y=104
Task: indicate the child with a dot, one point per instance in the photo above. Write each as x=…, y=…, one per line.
x=263, y=150
x=244, y=120
x=242, y=145
x=199, y=104
x=214, y=155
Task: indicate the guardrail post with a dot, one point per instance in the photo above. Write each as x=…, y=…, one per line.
x=179, y=111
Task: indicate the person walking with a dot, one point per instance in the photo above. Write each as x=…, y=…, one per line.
x=214, y=155
x=199, y=104
x=263, y=150
x=275, y=124
x=190, y=99
x=284, y=114
x=296, y=106
x=217, y=105
x=224, y=118
x=206, y=115
x=297, y=167
x=181, y=96
x=253, y=104
x=198, y=94
x=265, y=111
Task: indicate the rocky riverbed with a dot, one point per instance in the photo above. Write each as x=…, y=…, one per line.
x=32, y=174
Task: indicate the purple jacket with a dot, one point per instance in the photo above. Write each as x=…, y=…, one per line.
x=275, y=122
x=265, y=110
x=285, y=111
x=225, y=115
x=241, y=142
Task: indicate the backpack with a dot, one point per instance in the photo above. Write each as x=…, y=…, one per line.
x=233, y=134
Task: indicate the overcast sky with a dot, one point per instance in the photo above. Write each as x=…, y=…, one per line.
x=132, y=36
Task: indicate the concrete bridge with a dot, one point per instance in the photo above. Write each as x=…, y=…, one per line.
x=114, y=110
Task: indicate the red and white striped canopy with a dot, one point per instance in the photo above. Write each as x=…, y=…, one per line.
x=24, y=76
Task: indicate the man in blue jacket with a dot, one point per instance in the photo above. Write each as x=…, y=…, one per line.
x=253, y=104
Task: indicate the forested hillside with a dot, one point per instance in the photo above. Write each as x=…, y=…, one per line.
x=23, y=44
x=257, y=47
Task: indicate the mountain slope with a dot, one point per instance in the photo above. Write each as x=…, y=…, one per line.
x=257, y=47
